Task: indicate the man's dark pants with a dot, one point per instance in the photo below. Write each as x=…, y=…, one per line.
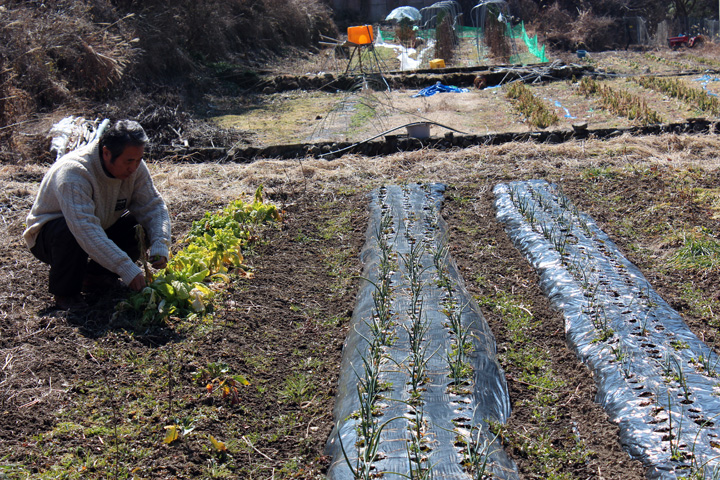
x=56, y=246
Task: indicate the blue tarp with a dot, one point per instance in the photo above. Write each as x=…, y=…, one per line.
x=704, y=80
x=439, y=87
x=567, y=112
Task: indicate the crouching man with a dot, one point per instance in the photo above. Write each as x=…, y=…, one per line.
x=88, y=205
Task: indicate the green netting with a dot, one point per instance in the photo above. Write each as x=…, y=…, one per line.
x=467, y=32
x=462, y=32
x=534, y=54
x=426, y=33
x=386, y=36
x=532, y=43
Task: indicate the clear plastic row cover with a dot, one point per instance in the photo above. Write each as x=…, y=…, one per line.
x=419, y=380
x=655, y=378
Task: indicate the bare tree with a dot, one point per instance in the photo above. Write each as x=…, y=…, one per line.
x=682, y=8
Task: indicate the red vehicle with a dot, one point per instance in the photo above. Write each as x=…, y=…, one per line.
x=684, y=40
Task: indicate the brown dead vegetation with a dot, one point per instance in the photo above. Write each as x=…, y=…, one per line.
x=87, y=56
x=567, y=30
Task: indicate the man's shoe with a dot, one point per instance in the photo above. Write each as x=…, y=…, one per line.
x=71, y=302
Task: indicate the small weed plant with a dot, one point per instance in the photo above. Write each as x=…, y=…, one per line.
x=699, y=251
x=218, y=379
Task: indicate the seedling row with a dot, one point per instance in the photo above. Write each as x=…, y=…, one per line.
x=655, y=377
x=603, y=102
x=419, y=381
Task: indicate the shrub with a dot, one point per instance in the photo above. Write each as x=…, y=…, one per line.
x=405, y=33
x=445, y=37
x=567, y=32
x=496, y=40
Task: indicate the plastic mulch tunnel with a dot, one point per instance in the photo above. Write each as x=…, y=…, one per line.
x=655, y=378
x=419, y=381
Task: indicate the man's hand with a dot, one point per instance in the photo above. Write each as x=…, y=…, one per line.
x=138, y=283
x=158, y=262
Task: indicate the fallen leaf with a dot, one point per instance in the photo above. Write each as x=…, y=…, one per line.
x=219, y=446
x=172, y=434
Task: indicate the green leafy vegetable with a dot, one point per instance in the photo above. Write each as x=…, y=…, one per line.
x=214, y=249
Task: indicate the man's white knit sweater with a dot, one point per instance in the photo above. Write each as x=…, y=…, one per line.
x=78, y=188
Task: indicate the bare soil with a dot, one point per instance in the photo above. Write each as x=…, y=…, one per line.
x=577, y=417
x=307, y=117
x=86, y=395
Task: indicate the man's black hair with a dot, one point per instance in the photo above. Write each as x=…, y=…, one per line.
x=121, y=134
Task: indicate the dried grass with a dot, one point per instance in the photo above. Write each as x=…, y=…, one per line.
x=223, y=182
x=183, y=36
x=62, y=53
x=56, y=50
x=210, y=183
